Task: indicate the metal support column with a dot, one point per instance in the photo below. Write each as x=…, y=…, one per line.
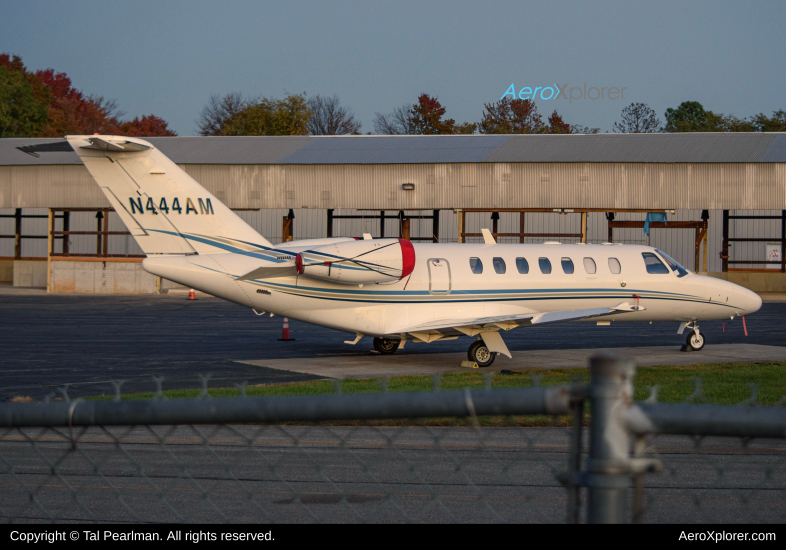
x=66, y=227
x=495, y=224
x=461, y=221
x=382, y=224
x=105, y=242
x=783, y=241
x=99, y=219
x=435, y=226
x=50, y=244
x=610, y=218
x=521, y=227
x=330, y=222
x=608, y=479
x=725, y=246
x=18, y=234
x=584, y=227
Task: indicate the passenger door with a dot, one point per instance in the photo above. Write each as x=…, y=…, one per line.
x=439, y=282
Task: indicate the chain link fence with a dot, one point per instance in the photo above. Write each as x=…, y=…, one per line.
x=439, y=456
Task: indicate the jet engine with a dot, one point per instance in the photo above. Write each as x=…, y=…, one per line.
x=358, y=262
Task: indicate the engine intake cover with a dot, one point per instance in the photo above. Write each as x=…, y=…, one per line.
x=359, y=262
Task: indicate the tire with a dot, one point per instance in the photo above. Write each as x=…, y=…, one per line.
x=480, y=353
x=696, y=341
x=386, y=346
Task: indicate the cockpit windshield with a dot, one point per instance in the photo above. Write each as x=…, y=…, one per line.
x=673, y=264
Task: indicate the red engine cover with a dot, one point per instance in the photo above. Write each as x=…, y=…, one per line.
x=407, y=257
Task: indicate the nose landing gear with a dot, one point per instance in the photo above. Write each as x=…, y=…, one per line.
x=480, y=354
x=695, y=340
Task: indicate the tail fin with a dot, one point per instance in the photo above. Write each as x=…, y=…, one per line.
x=164, y=208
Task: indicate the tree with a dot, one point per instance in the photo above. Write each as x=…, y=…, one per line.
x=762, y=123
x=424, y=117
x=147, y=126
x=271, y=117
x=21, y=114
x=579, y=129
x=690, y=116
x=637, y=118
x=511, y=116
x=556, y=125
x=399, y=122
x=329, y=118
x=219, y=111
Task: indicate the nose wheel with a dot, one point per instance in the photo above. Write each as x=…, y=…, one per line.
x=480, y=354
x=695, y=340
x=386, y=346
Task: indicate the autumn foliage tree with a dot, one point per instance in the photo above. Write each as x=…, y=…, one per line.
x=67, y=110
x=422, y=118
x=511, y=116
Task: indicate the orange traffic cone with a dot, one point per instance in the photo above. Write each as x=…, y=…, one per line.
x=191, y=294
x=285, y=333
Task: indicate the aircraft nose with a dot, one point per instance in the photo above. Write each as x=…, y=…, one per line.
x=749, y=301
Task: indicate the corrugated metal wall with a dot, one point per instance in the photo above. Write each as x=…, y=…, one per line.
x=311, y=224
x=443, y=186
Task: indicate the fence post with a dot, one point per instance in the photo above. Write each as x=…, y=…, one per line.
x=608, y=469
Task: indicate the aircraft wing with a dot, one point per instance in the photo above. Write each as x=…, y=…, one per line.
x=490, y=326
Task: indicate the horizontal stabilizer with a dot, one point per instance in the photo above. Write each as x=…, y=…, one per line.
x=273, y=272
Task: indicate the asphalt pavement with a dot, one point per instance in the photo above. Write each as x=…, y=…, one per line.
x=88, y=341
x=297, y=474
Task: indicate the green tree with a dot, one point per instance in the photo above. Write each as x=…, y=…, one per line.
x=690, y=116
x=763, y=123
x=21, y=113
x=271, y=117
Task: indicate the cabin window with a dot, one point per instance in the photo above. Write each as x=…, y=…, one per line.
x=567, y=266
x=654, y=265
x=476, y=265
x=614, y=266
x=673, y=264
x=499, y=265
x=589, y=266
x=522, y=265
x=545, y=265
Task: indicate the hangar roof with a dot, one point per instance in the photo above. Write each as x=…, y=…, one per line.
x=611, y=148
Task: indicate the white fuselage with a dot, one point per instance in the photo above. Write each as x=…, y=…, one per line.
x=448, y=288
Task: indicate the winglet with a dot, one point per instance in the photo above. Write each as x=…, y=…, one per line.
x=488, y=238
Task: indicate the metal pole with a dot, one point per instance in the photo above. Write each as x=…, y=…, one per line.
x=330, y=222
x=461, y=226
x=608, y=479
x=50, y=243
x=521, y=227
x=105, y=242
x=725, y=245
x=584, y=227
x=99, y=217
x=494, y=223
x=18, y=234
x=783, y=241
x=435, y=226
x=66, y=227
x=574, y=461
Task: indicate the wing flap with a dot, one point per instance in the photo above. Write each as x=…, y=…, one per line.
x=477, y=325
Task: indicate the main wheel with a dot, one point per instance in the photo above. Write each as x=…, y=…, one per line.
x=480, y=353
x=696, y=340
x=386, y=346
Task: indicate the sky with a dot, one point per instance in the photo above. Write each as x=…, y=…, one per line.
x=167, y=57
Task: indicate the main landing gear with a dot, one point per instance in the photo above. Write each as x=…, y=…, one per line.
x=480, y=354
x=386, y=346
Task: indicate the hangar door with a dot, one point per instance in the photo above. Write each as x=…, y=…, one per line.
x=438, y=276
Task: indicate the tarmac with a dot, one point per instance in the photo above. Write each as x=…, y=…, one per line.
x=366, y=365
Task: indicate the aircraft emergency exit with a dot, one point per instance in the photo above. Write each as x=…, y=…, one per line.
x=390, y=289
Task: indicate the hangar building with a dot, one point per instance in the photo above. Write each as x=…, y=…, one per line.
x=723, y=196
